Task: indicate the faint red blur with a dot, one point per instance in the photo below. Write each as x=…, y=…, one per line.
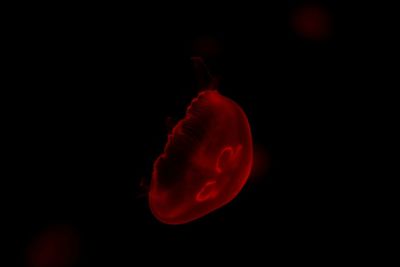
x=261, y=164
x=56, y=246
x=206, y=46
x=312, y=22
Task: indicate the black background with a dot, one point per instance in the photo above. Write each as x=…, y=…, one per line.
x=91, y=92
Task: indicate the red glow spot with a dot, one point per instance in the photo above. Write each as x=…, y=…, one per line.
x=56, y=246
x=312, y=22
x=206, y=161
x=206, y=46
x=261, y=163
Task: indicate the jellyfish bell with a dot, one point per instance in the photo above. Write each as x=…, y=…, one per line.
x=205, y=163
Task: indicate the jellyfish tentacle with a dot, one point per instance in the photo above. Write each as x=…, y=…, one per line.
x=204, y=77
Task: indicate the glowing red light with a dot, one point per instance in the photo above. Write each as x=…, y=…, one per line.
x=261, y=163
x=206, y=46
x=206, y=161
x=312, y=22
x=56, y=246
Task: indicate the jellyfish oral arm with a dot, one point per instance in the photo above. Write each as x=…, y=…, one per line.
x=208, y=191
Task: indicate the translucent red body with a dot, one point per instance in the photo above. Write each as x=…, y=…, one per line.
x=206, y=161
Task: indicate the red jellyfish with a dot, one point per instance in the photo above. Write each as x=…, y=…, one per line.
x=205, y=163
